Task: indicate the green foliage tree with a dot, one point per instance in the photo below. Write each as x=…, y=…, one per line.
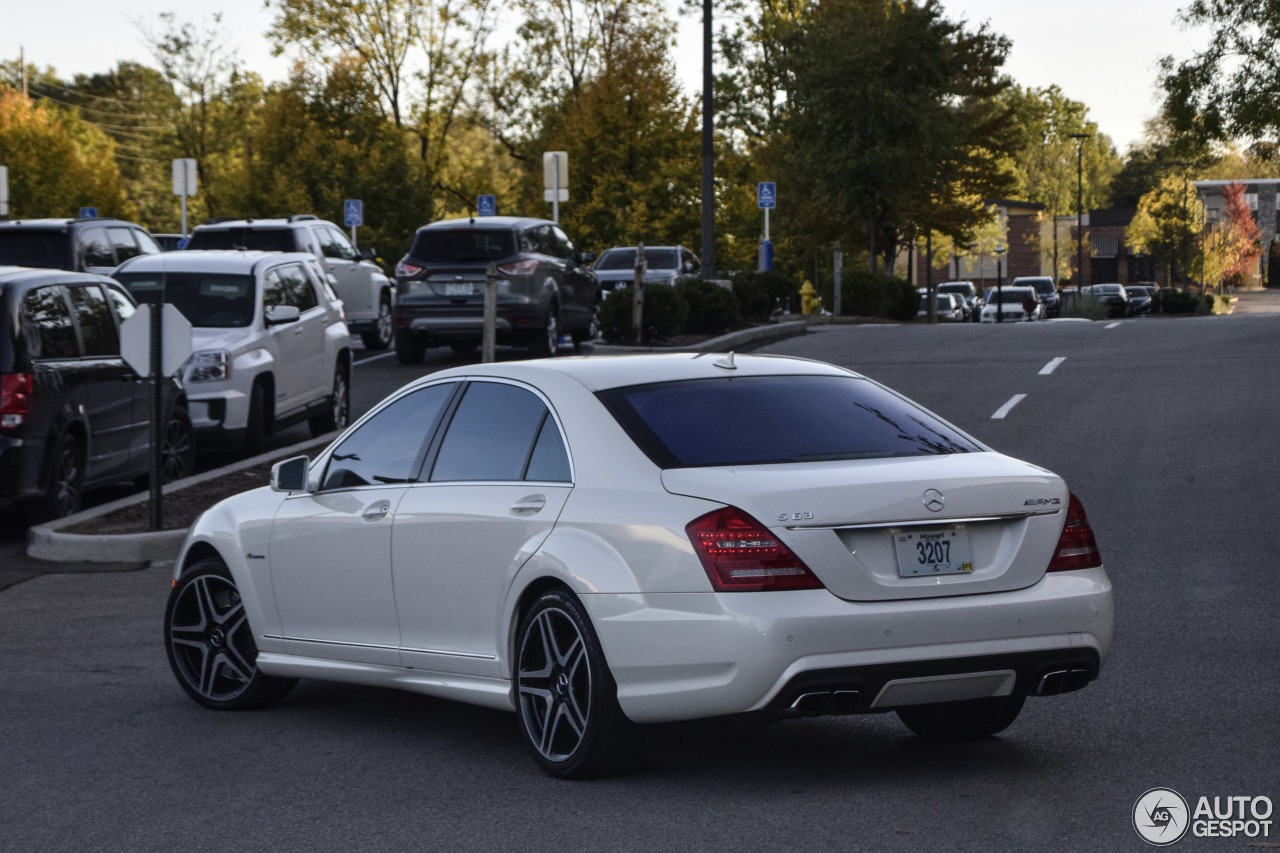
x=1167, y=225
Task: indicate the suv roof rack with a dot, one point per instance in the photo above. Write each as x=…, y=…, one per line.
x=299, y=217
x=214, y=220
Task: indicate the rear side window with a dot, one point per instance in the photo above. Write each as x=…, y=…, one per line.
x=54, y=331
x=97, y=326
x=244, y=239
x=463, y=245
x=124, y=244
x=492, y=434
x=95, y=248
x=30, y=247
x=757, y=420
x=299, y=288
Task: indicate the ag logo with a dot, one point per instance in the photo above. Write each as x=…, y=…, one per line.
x=1160, y=816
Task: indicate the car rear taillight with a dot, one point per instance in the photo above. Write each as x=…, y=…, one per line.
x=404, y=270
x=1077, y=549
x=15, y=398
x=526, y=267
x=741, y=555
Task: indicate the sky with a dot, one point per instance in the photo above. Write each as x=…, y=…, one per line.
x=1102, y=53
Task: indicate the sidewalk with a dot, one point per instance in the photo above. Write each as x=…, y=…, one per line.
x=1257, y=301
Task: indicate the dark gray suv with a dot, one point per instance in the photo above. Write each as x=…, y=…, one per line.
x=82, y=245
x=546, y=287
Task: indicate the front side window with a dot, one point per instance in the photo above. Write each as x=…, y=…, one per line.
x=50, y=319
x=334, y=244
x=492, y=435
x=97, y=326
x=758, y=420
x=386, y=449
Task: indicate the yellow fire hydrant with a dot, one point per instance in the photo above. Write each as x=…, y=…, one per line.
x=809, y=300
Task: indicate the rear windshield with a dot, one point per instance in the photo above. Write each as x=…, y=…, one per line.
x=758, y=420
x=207, y=300
x=1042, y=285
x=244, y=239
x=962, y=289
x=625, y=259
x=463, y=245
x=28, y=247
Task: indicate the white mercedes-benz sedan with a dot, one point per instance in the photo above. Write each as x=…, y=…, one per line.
x=596, y=543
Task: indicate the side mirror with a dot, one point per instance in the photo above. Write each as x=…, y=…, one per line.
x=290, y=475
x=368, y=254
x=278, y=314
x=586, y=258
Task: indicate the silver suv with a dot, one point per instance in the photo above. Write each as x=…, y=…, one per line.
x=366, y=293
x=269, y=344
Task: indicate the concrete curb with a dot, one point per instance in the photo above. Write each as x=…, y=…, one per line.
x=756, y=334
x=49, y=542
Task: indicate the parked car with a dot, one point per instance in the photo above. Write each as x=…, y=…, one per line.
x=546, y=286
x=270, y=346
x=1046, y=291
x=950, y=306
x=1115, y=296
x=81, y=245
x=582, y=542
x=73, y=414
x=616, y=267
x=1139, y=299
x=966, y=291
x=170, y=242
x=366, y=293
x=1011, y=303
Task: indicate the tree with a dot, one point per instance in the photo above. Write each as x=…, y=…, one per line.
x=1236, y=239
x=1167, y=225
x=57, y=163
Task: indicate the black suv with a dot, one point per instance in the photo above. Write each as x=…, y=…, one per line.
x=83, y=245
x=72, y=413
x=545, y=286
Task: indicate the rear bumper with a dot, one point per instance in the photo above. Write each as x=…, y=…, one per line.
x=684, y=656
x=20, y=460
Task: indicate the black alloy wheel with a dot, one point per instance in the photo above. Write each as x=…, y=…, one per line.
x=338, y=415
x=383, y=331
x=178, y=449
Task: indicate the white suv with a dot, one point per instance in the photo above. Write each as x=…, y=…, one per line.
x=366, y=293
x=270, y=347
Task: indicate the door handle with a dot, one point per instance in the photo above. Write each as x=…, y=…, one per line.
x=529, y=505
x=376, y=511
x=298, y=330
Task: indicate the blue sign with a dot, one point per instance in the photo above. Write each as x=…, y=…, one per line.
x=353, y=212
x=766, y=194
x=88, y=213
x=486, y=205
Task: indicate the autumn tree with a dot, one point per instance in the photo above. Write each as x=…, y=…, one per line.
x=1167, y=226
x=1235, y=240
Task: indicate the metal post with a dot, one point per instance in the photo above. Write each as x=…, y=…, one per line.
x=838, y=275
x=157, y=413
x=708, y=147
x=999, y=285
x=1080, y=138
x=555, y=196
x=928, y=273
x=353, y=237
x=184, y=212
x=490, y=313
x=637, y=296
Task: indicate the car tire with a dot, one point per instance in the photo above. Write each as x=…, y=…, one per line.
x=967, y=720
x=64, y=489
x=178, y=447
x=339, y=412
x=590, y=332
x=383, y=331
x=464, y=348
x=210, y=644
x=409, y=349
x=566, y=698
x=255, y=431
x=547, y=344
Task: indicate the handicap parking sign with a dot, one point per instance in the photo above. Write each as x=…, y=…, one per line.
x=766, y=194
x=353, y=212
x=88, y=213
x=486, y=205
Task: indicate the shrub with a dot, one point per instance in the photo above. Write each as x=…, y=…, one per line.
x=712, y=309
x=760, y=293
x=865, y=294
x=1180, y=302
x=664, y=315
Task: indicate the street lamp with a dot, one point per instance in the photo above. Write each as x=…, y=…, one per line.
x=999, y=285
x=1080, y=138
x=1186, y=217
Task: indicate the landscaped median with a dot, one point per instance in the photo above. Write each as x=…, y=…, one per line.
x=119, y=532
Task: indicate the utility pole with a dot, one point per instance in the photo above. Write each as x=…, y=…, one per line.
x=1080, y=138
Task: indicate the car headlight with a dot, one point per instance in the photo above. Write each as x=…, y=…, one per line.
x=209, y=366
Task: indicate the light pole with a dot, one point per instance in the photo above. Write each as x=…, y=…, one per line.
x=1186, y=217
x=999, y=284
x=708, y=148
x=1080, y=138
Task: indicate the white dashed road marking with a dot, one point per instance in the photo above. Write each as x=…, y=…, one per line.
x=1111, y=325
x=1007, y=407
x=1052, y=366
x=372, y=358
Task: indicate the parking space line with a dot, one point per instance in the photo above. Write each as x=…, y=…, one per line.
x=1008, y=407
x=1112, y=325
x=372, y=358
x=1052, y=366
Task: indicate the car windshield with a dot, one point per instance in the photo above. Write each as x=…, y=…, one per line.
x=1009, y=294
x=791, y=419
x=625, y=259
x=1140, y=292
x=207, y=300
x=463, y=245
x=28, y=247
x=961, y=289
x=243, y=239
x=1042, y=286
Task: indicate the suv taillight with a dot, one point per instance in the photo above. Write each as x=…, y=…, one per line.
x=525, y=267
x=740, y=555
x=404, y=270
x=1077, y=549
x=15, y=398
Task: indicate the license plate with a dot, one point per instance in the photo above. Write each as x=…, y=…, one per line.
x=933, y=551
x=458, y=289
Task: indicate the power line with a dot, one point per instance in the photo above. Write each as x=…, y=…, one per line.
x=81, y=94
x=112, y=113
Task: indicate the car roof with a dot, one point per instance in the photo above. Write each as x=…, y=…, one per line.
x=601, y=372
x=486, y=222
x=278, y=222
x=62, y=223
x=230, y=261
x=38, y=276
